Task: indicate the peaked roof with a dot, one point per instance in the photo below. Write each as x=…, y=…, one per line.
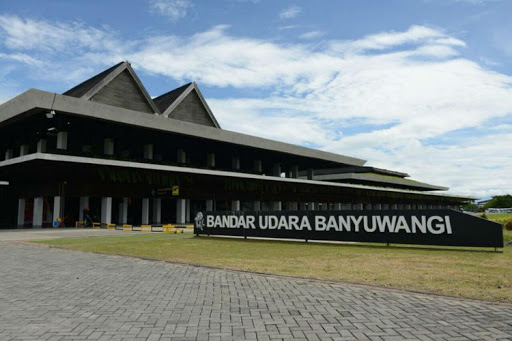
x=169, y=101
x=89, y=88
x=164, y=101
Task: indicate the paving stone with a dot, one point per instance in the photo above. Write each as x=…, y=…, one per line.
x=54, y=294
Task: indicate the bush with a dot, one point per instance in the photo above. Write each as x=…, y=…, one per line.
x=508, y=225
x=483, y=216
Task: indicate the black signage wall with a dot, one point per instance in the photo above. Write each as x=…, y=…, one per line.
x=426, y=227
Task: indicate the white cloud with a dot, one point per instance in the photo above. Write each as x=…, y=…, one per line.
x=403, y=100
x=311, y=35
x=290, y=12
x=173, y=9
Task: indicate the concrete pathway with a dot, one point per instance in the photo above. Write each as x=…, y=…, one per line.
x=54, y=294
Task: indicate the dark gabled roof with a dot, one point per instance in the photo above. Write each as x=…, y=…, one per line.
x=170, y=104
x=111, y=82
x=82, y=88
x=164, y=101
x=363, y=169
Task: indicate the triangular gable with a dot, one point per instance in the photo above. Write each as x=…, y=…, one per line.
x=189, y=105
x=164, y=101
x=118, y=86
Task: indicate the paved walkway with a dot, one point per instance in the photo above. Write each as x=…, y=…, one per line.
x=53, y=294
x=53, y=233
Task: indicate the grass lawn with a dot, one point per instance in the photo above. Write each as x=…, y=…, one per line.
x=501, y=218
x=474, y=274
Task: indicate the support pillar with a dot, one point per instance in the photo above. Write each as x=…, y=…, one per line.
x=311, y=206
x=180, y=211
x=37, y=220
x=157, y=210
x=235, y=163
x=84, y=202
x=145, y=211
x=187, y=210
x=276, y=206
x=123, y=211
x=57, y=204
x=210, y=160
x=41, y=146
x=257, y=205
x=385, y=206
x=23, y=149
x=357, y=207
x=394, y=207
x=337, y=206
x=235, y=205
x=346, y=207
x=148, y=151
x=209, y=205
x=325, y=206
x=21, y=211
x=62, y=140
x=377, y=206
x=106, y=210
x=311, y=174
x=9, y=154
x=368, y=207
x=293, y=206
x=181, y=156
x=294, y=172
x=108, y=146
x=303, y=206
x=276, y=169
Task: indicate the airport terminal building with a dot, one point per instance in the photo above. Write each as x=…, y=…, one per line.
x=106, y=144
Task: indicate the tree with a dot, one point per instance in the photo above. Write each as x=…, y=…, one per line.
x=499, y=201
x=470, y=207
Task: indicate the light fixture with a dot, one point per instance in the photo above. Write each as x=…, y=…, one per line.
x=50, y=114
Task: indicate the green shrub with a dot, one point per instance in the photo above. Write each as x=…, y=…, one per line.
x=508, y=225
x=484, y=216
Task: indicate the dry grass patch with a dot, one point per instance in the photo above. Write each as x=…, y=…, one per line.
x=473, y=274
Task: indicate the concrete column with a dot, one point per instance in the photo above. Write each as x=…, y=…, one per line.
x=157, y=210
x=108, y=146
x=210, y=160
x=258, y=166
x=294, y=172
x=357, y=207
x=368, y=207
x=346, y=207
x=235, y=162
x=148, y=151
x=311, y=174
x=394, y=206
x=84, y=202
x=9, y=154
x=106, y=210
x=257, y=205
x=385, y=206
x=145, y=211
x=37, y=220
x=62, y=140
x=400, y=206
x=123, y=211
x=377, y=206
x=293, y=206
x=209, y=205
x=57, y=202
x=235, y=205
x=41, y=146
x=23, y=149
x=407, y=206
x=187, y=210
x=21, y=211
x=276, y=206
x=312, y=206
x=337, y=206
x=325, y=206
x=414, y=207
x=181, y=156
x=303, y=206
x=180, y=211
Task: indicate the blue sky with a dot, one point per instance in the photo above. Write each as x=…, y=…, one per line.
x=420, y=86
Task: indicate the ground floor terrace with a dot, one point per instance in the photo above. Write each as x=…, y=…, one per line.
x=43, y=187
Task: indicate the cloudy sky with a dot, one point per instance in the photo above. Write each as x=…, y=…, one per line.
x=420, y=86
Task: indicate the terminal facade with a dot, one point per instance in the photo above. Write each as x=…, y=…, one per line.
x=106, y=144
